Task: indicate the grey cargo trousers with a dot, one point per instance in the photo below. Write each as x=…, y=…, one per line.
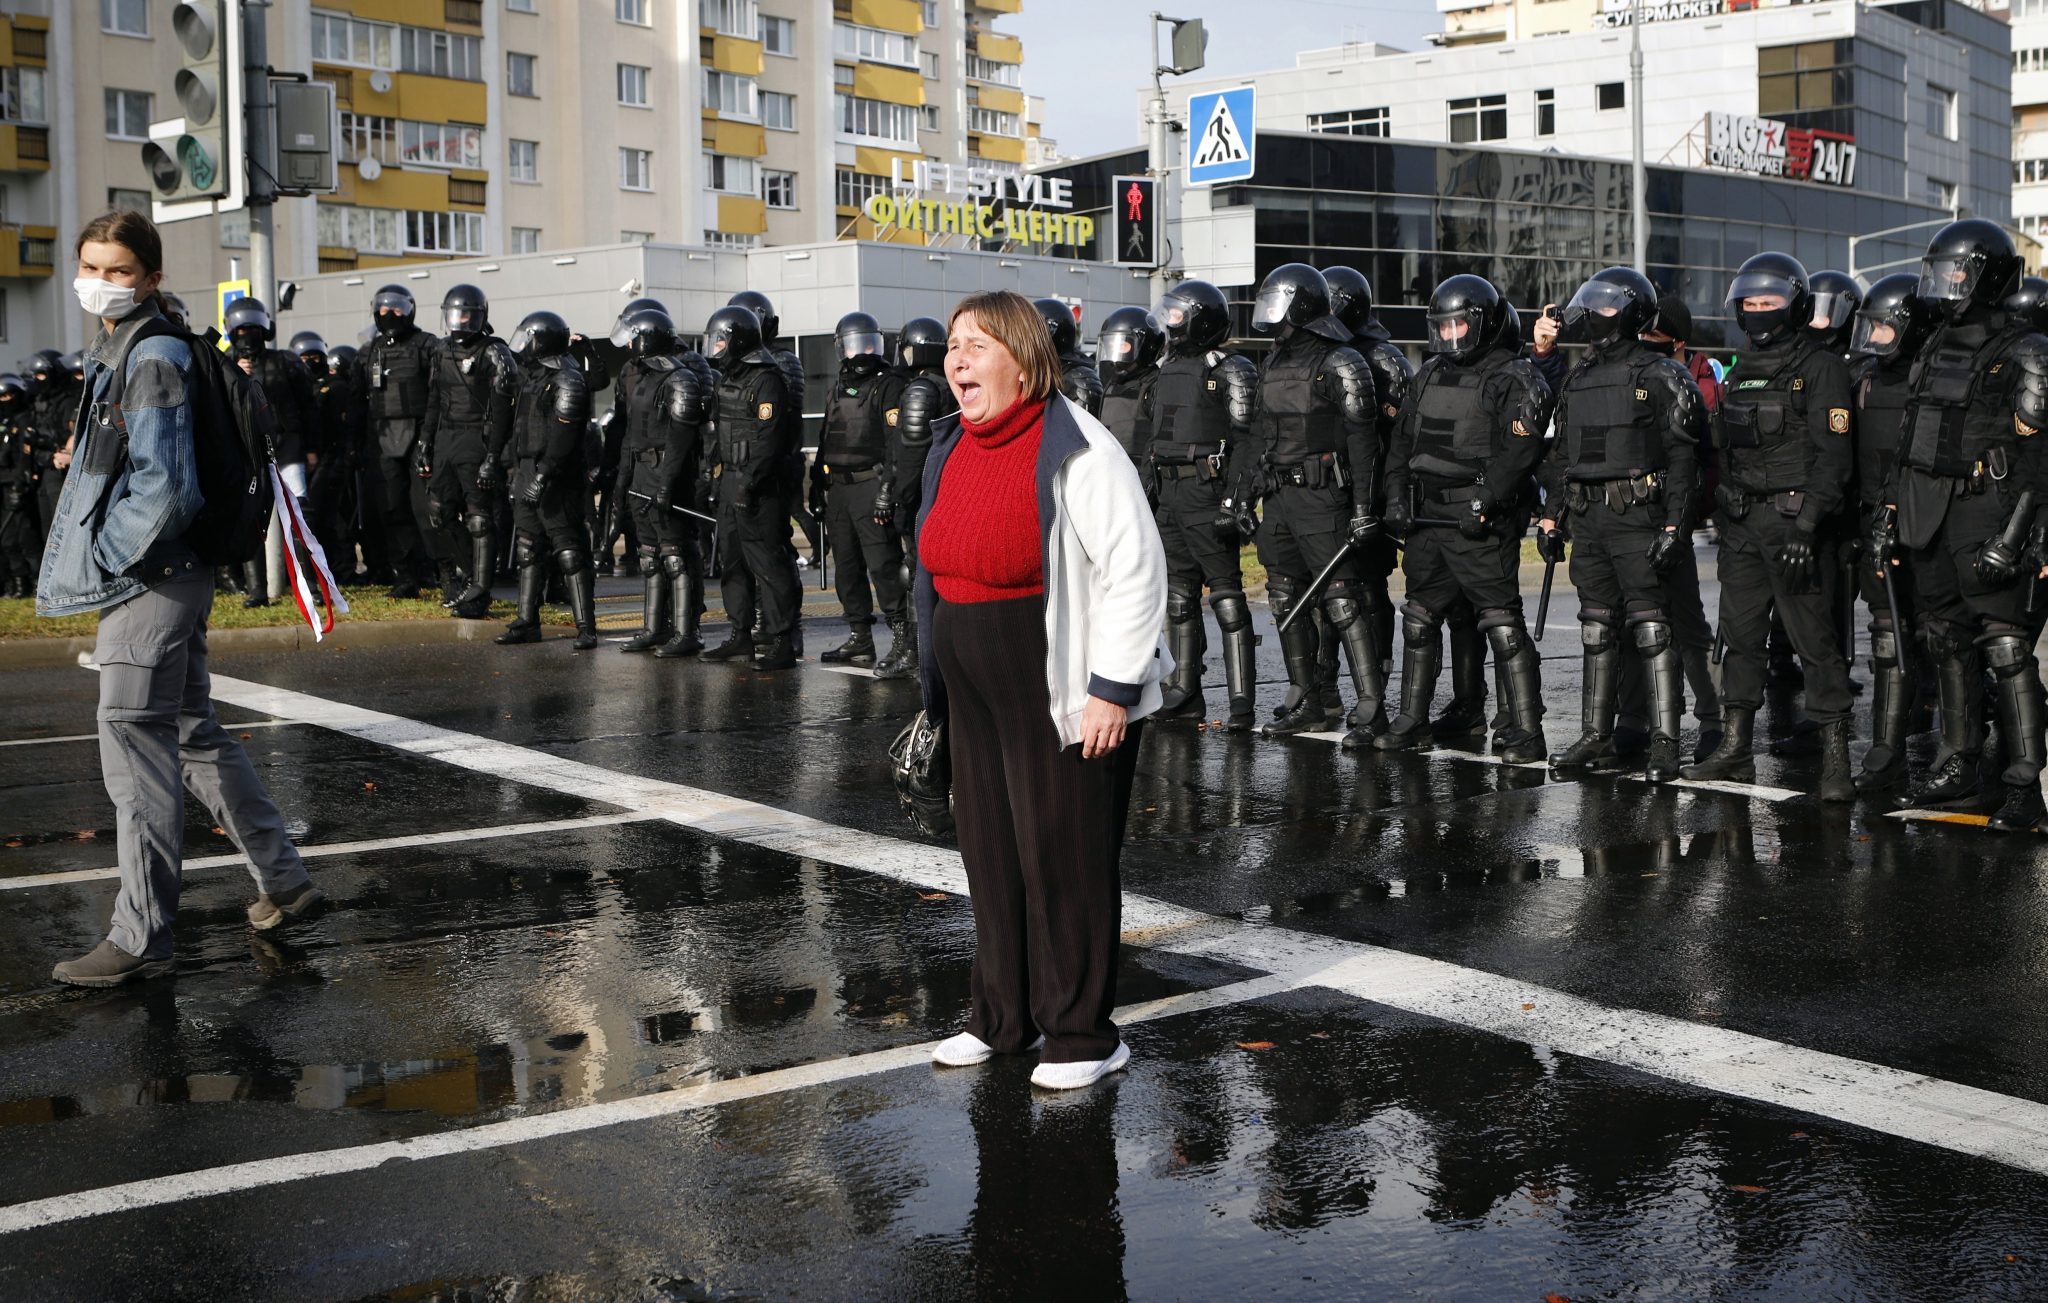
x=156, y=725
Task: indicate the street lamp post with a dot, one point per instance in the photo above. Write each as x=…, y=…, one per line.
x=1639, y=215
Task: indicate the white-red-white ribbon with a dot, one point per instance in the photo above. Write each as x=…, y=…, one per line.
x=296, y=535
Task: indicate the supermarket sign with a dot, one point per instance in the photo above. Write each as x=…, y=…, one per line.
x=1768, y=147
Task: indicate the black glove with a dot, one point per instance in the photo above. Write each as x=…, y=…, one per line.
x=1247, y=518
x=665, y=497
x=489, y=475
x=1472, y=522
x=1148, y=479
x=536, y=484
x=816, y=497
x=1364, y=528
x=423, y=462
x=1400, y=516
x=739, y=495
x=1997, y=563
x=1664, y=550
x=884, y=510
x=1796, y=559
x=1550, y=545
x=2037, y=549
x=1883, y=539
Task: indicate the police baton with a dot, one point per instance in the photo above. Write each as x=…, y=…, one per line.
x=1317, y=584
x=694, y=515
x=1543, y=599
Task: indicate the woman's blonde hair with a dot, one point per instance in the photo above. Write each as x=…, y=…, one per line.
x=1014, y=322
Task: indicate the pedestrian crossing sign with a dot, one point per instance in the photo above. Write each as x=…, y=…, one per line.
x=1221, y=137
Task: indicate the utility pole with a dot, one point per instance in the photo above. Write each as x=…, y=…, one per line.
x=259, y=125
x=1190, y=43
x=1639, y=200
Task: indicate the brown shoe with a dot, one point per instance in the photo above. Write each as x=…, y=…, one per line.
x=286, y=907
x=108, y=965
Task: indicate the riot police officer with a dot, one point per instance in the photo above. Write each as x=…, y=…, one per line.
x=846, y=478
x=1464, y=452
x=53, y=409
x=19, y=538
x=1127, y=353
x=602, y=360
x=1079, y=380
x=471, y=391
x=550, y=413
x=753, y=447
x=1831, y=319
x=391, y=378
x=1782, y=433
x=1890, y=328
x=1317, y=425
x=790, y=476
x=659, y=408
x=1968, y=488
x=1623, y=469
x=294, y=410
x=330, y=488
x=1200, y=461
x=926, y=399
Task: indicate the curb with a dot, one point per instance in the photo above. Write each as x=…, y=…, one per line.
x=284, y=637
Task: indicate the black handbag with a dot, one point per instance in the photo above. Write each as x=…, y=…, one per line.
x=923, y=769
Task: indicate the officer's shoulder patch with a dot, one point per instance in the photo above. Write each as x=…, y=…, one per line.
x=1996, y=367
x=1798, y=383
x=765, y=412
x=889, y=418
x=2023, y=430
x=1212, y=384
x=1642, y=395
x=1838, y=420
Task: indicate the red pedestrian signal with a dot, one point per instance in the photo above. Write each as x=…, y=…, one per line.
x=1134, y=225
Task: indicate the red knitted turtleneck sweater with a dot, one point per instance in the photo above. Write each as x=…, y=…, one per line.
x=981, y=541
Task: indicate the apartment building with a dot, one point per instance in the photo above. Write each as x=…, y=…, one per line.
x=487, y=127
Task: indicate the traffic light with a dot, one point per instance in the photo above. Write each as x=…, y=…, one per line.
x=1190, y=45
x=198, y=156
x=1134, y=225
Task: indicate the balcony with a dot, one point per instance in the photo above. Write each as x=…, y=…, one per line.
x=27, y=251
x=24, y=149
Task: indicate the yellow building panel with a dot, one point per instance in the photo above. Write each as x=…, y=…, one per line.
x=32, y=21
x=412, y=13
x=998, y=48
x=741, y=215
x=999, y=98
x=865, y=229
x=374, y=261
x=746, y=139
x=732, y=54
x=10, y=250
x=467, y=174
x=6, y=45
x=1000, y=6
x=906, y=16
x=24, y=149
x=396, y=188
x=875, y=162
x=337, y=253
x=895, y=85
x=432, y=99
x=1004, y=149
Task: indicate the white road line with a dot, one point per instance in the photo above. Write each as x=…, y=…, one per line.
x=342, y=848
x=94, y=737
x=1755, y=791
x=1945, y=1114
x=852, y=671
x=159, y=1191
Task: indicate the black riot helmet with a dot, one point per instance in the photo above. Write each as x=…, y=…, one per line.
x=465, y=312
x=44, y=365
x=1511, y=337
x=249, y=327
x=1466, y=315
x=1350, y=297
x=1771, y=276
x=343, y=360
x=1969, y=263
x=1836, y=296
x=1131, y=341
x=74, y=363
x=1618, y=303
x=2029, y=303
x=393, y=308
x=308, y=347
x=1195, y=316
x=1059, y=319
x=621, y=337
x=922, y=344
x=540, y=335
x=174, y=308
x=646, y=332
x=1893, y=321
x=764, y=312
x=731, y=336
x=14, y=392
x=1294, y=294
x=858, y=338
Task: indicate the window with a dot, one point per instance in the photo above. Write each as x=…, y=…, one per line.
x=22, y=93
x=990, y=122
x=931, y=12
x=440, y=54
x=633, y=85
x=472, y=193
x=631, y=11
x=779, y=189
x=125, y=17
x=364, y=136
x=1483, y=117
x=851, y=189
x=366, y=230
x=1812, y=75
x=128, y=201
x=522, y=160
x=1350, y=122
x=635, y=237
x=234, y=229
x=731, y=94
x=1546, y=113
x=873, y=45
x=1941, y=112
x=440, y=144
x=842, y=74
x=730, y=175
x=524, y=239
x=444, y=232
x=876, y=119
x=521, y=6
x=734, y=17
x=127, y=114
x=928, y=117
x=636, y=169
x=1002, y=74
x=727, y=240
x=519, y=75
x=338, y=38
x=1942, y=194
x=778, y=111
x=1610, y=95
x=778, y=36
x=930, y=62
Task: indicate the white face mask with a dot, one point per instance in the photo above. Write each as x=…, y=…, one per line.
x=104, y=298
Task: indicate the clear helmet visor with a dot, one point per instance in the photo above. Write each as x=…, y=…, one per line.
x=1948, y=280
x=1456, y=331
x=1875, y=335
x=864, y=343
x=390, y=301
x=1118, y=348
x=521, y=341
x=1761, y=284
x=1597, y=299
x=1832, y=309
x=1173, y=314
x=622, y=336
x=1271, y=307
x=462, y=321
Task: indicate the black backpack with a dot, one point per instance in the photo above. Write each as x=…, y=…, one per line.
x=232, y=446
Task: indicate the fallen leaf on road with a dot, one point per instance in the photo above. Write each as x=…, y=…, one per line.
x=247, y=737
x=932, y=895
x=1555, y=1298
x=369, y=787
x=1747, y=1189
x=15, y=842
x=87, y=834
x=1255, y=1045
x=1527, y=1006
x=219, y=831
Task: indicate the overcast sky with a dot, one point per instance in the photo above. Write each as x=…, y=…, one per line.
x=1088, y=57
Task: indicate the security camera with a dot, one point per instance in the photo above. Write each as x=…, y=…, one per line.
x=631, y=289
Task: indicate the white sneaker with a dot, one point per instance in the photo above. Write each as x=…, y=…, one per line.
x=1073, y=1076
x=962, y=1051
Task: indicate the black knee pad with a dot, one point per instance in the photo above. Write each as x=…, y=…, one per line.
x=1341, y=605
x=1499, y=617
x=2008, y=652
x=1508, y=640
x=650, y=565
x=1597, y=634
x=673, y=563
x=1641, y=610
x=526, y=550
x=1282, y=591
x=1231, y=613
x=571, y=561
x=1418, y=622
x=1182, y=603
x=478, y=525
x=1653, y=636
x=1945, y=642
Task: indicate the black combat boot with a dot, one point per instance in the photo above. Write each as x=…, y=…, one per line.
x=1301, y=710
x=780, y=655
x=1735, y=758
x=858, y=649
x=483, y=563
x=1598, y=694
x=1520, y=741
x=1465, y=713
x=1240, y=669
x=1957, y=778
x=256, y=581
x=580, y=579
x=738, y=646
x=1361, y=652
x=1181, y=694
x=1422, y=655
x=901, y=662
x=525, y=626
x=686, y=598
x=2020, y=727
x=1835, y=781
x=657, y=620
x=1661, y=680
x=1891, y=704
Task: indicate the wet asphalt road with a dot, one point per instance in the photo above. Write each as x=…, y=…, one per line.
x=546, y=938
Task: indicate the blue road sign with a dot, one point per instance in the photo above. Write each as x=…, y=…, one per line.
x=1222, y=140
